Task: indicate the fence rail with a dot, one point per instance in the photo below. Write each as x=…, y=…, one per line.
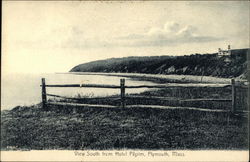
x=170, y=85
x=123, y=97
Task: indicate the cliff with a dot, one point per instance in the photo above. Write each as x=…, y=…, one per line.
x=233, y=65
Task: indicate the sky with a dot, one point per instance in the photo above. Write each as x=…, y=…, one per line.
x=51, y=36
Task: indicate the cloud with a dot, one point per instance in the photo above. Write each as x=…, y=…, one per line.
x=79, y=39
x=171, y=33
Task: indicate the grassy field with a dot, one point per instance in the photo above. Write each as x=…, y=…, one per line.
x=70, y=128
x=105, y=128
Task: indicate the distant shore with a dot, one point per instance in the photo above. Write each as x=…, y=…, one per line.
x=163, y=78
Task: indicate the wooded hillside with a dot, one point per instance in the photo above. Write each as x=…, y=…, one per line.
x=196, y=64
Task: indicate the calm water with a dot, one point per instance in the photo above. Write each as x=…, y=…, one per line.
x=24, y=89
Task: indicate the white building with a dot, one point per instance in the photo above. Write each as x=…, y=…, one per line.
x=224, y=52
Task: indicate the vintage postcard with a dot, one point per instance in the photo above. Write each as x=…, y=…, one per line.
x=125, y=81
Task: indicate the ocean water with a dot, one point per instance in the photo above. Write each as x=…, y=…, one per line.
x=25, y=90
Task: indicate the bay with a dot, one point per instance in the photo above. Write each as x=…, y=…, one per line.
x=25, y=90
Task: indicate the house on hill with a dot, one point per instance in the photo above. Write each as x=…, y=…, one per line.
x=224, y=52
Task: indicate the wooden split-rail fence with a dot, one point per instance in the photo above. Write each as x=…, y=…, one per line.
x=123, y=97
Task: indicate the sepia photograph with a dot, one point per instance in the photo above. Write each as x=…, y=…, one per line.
x=120, y=80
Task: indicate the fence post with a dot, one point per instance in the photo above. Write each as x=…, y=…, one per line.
x=122, y=82
x=44, y=98
x=233, y=96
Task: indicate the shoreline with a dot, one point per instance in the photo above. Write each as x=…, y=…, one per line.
x=161, y=77
x=156, y=78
